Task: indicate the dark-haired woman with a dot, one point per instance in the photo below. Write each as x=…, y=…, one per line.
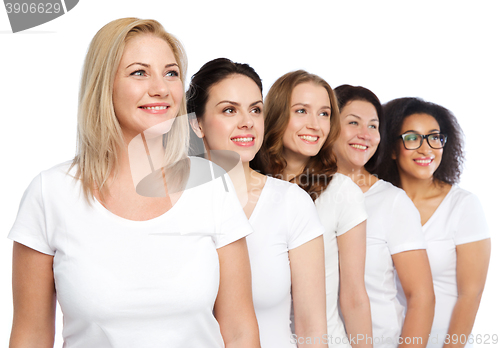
x=393, y=234
x=286, y=248
x=422, y=154
x=302, y=123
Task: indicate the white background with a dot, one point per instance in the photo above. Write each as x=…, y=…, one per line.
x=446, y=52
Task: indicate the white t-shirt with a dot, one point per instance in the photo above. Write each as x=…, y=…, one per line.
x=459, y=219
x=393, y=226
x=123, y=283
x=284, y=218
x=340, y=208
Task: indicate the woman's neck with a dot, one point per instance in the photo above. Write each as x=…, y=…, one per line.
x=294, y=167
x=359, y=175
x=421, y=189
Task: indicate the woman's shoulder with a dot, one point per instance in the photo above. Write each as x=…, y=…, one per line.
x=341, y=183
x=387, y=191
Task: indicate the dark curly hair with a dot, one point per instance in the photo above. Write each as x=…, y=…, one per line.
x=395, y=113
x=319, y=170
x=346, y=94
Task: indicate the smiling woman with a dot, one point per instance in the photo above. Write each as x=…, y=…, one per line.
x=422, y=154
x=286, y=248
x=131, y=270
x=302, y=124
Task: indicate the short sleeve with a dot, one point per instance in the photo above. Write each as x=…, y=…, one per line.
x=405, y=232
x=233, y=223
x=303, y=220
x=350, y=205
x=472, y=225
x=30, y=228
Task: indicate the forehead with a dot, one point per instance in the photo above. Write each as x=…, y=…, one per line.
x=310, y=92
x=147, y=48
x=420, y=122
x=360, y=108
x=237, y=88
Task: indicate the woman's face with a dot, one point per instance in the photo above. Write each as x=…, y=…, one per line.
x=423, y=162
x=147, y=88
x=359, y=134
x=233, y=118
x=309, y=123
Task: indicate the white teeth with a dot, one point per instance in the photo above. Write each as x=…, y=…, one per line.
x=154, y=107
x=361, y=147
x=424, y=161
x=308, y=137
x=242, y=140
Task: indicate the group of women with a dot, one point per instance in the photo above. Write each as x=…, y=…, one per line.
x=348, y=207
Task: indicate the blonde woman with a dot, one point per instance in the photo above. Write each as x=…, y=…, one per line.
x=131, y=270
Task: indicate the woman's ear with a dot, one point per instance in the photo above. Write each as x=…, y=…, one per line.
x=195, y=125
x=394, y=155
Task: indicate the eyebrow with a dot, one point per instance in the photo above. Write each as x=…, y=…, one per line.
x=307, y=105
x=414, y=131
x=147, y=65
x=238, y=104
x=373, y=119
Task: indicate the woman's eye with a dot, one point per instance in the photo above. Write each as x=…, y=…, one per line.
x=138, y=73
x=228, y=110
x=300, y=111
x=372, y=126
x=324, y=113
x=172, y=73
x=355, y=123
x=257, y=110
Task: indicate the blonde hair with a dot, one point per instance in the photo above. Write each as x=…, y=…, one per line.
x=99, y=133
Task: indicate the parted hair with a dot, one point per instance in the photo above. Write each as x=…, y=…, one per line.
x=320, y=169
x=99, y=133
x=395, y=113
x=346, y=94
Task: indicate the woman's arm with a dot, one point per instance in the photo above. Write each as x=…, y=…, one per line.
x=472, y=265
x=234, y=306
x=307, y=265
x=34, y=298
x=416, y=279
x=353, y=299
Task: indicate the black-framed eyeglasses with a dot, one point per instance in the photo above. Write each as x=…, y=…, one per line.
x=413, y=141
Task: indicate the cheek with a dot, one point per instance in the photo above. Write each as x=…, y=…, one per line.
x=289, y=134
x=177, y=92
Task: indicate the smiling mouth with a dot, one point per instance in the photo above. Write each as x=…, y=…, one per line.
x=308, y=138
x=243, y=140
x=359, y=147
x=153, y=107
x=424, y=162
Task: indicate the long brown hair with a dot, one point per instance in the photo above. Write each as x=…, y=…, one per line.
x=319, y=170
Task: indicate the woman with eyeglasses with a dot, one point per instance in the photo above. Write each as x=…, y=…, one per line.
x=422, y=154
x=394, y=239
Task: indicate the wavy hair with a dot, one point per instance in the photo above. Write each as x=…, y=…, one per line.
x=395, y=113
x=100, y=138
x=319, y=169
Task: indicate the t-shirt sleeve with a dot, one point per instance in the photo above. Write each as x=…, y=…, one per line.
x=472, y=225
x=30, y=228
x=233, y=223
x=350, y=205
x=303, y=220
x=405, y=231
